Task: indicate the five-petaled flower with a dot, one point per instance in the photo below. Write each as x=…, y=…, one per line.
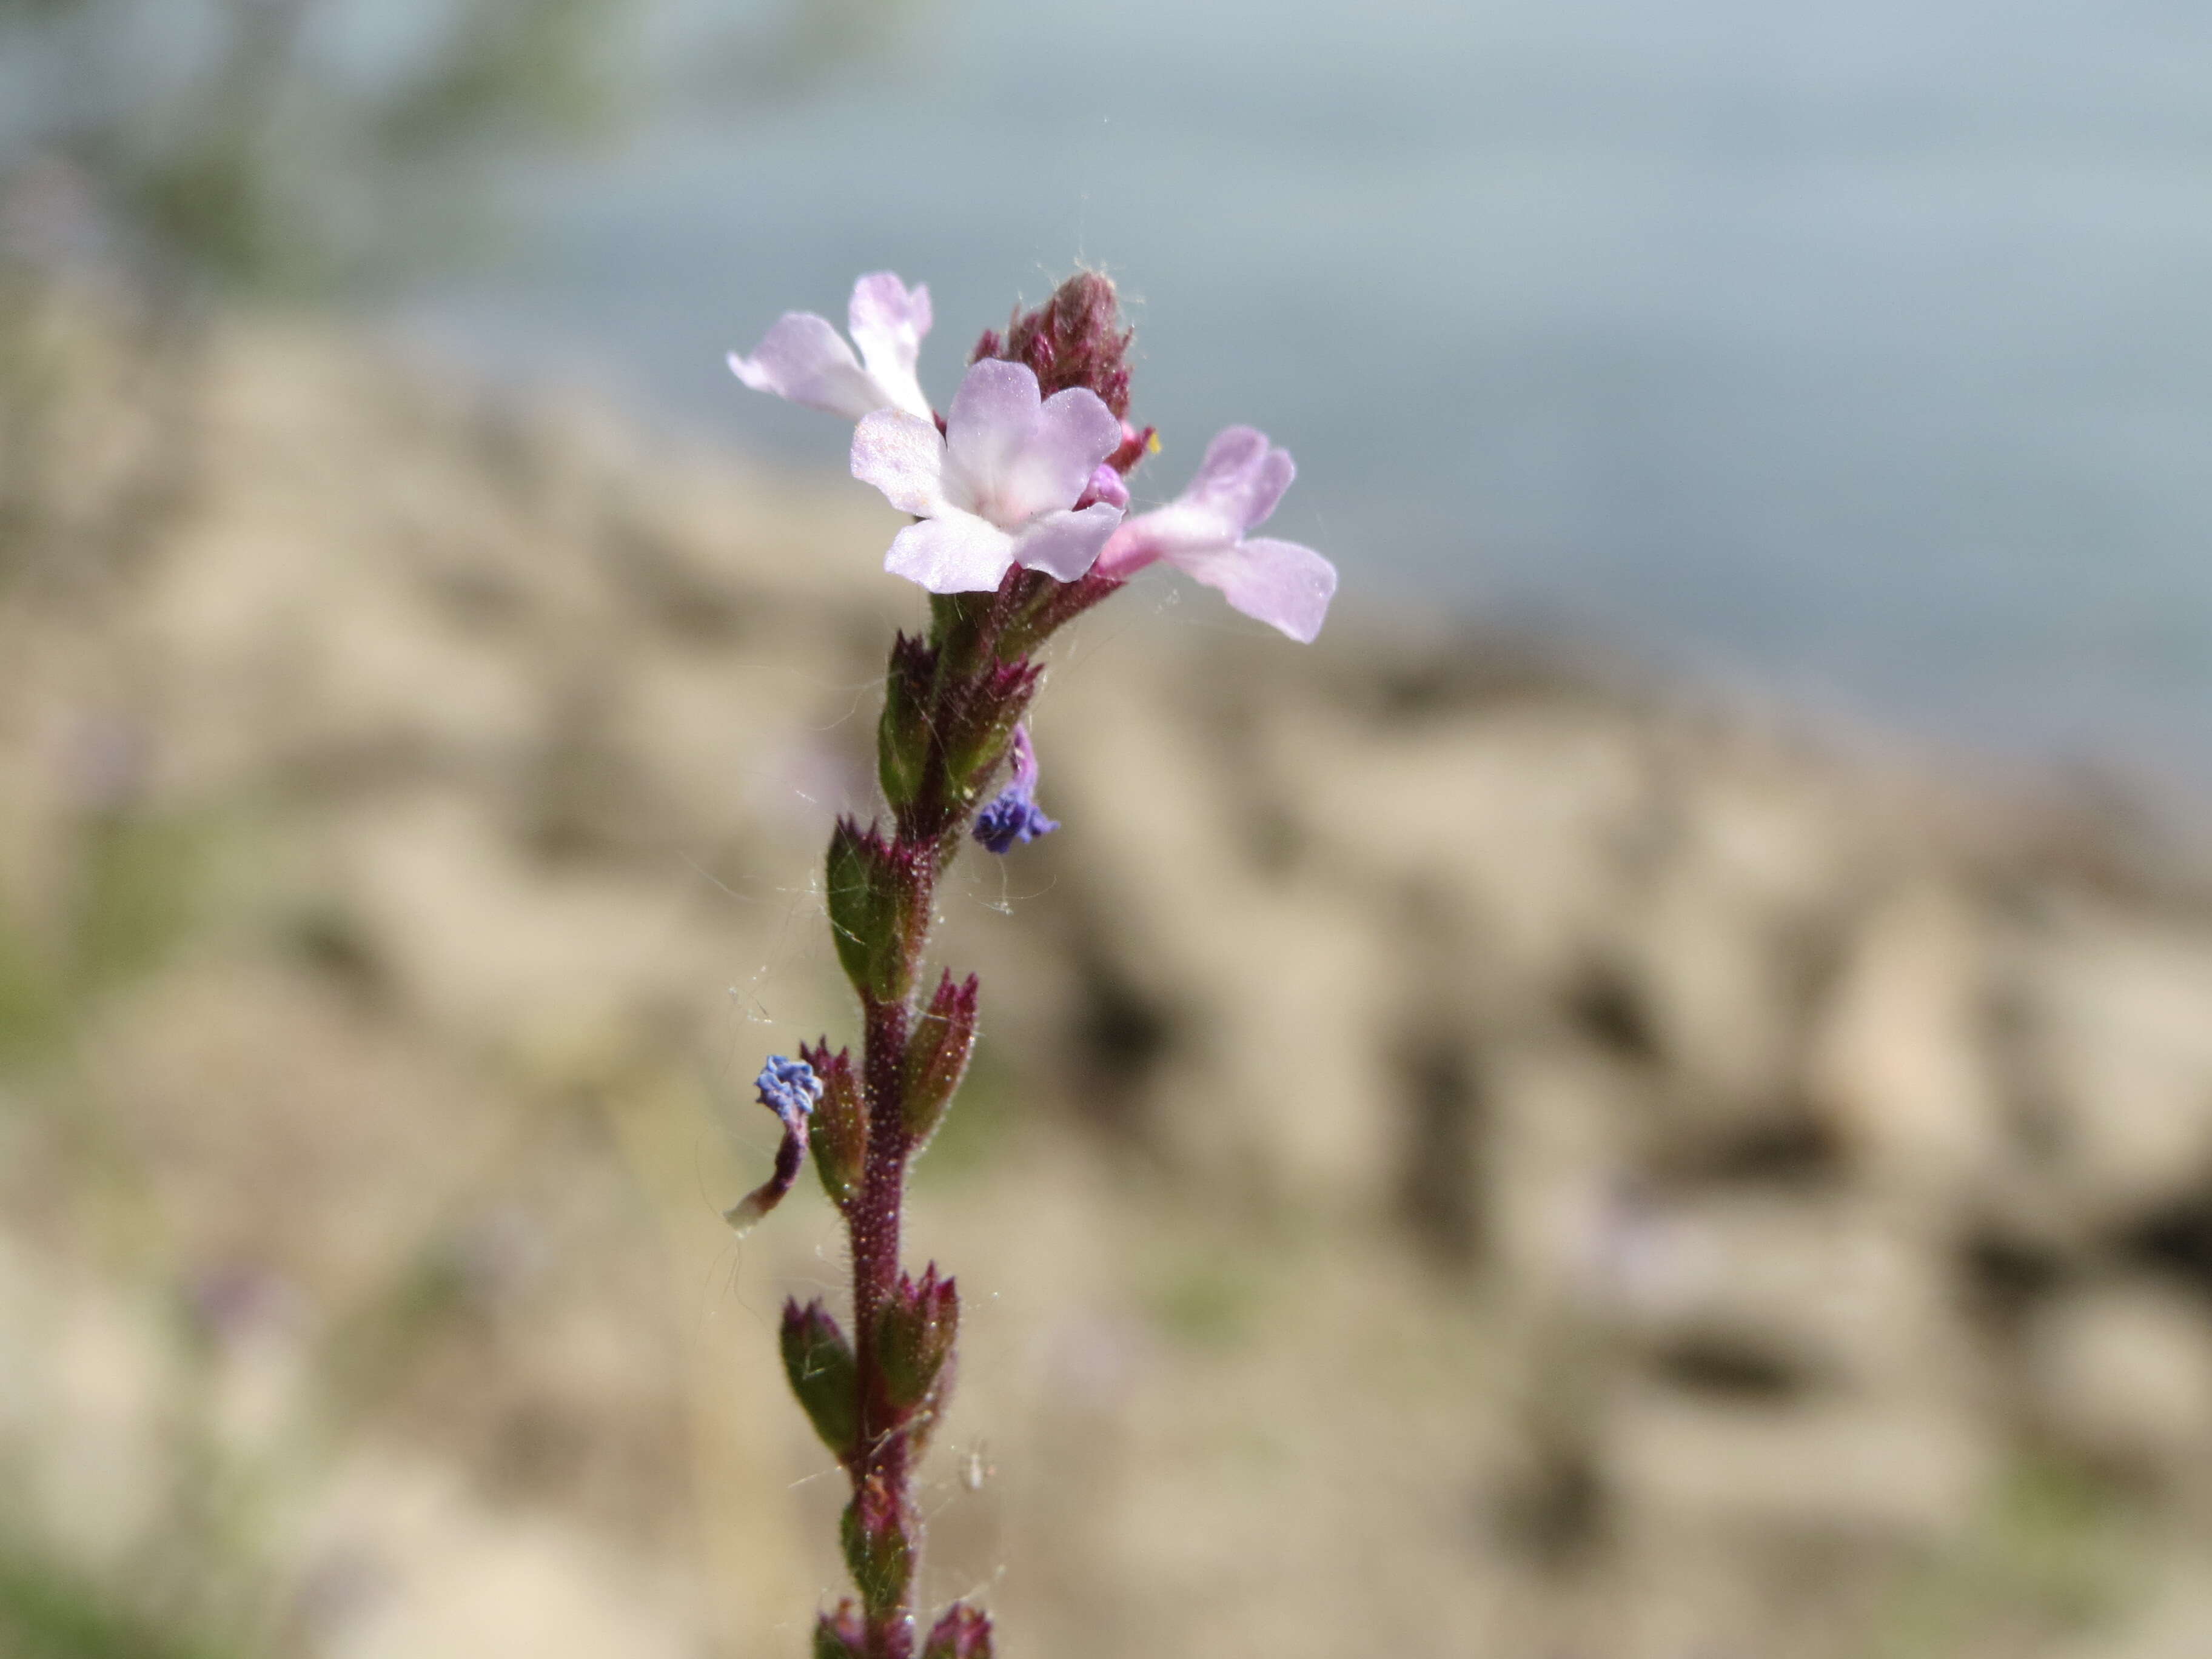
x=802, y=358
x=1000, y=487
x=1014, y=817
x=1202, y=533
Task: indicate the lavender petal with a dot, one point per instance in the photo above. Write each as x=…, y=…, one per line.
x=804, y=359
x=954, y=553
x=1063, y=545
x=887, y=321
x=1280, y=583
x=902, y=455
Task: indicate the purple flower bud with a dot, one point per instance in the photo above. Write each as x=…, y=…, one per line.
x=904, y=731
x=913, y=1339
x=840, y=1137
x=1012, y=821
x=983, y=731
x=819, y=1362
x=873, y=887
x=1074, y=339
x=937, y=1054
x=841, y=1634
x=788, y=1088
x=964, y=1632
x=1105, y=486
x=1135, y=445
x=1021, y=759
x=876, y=1534
x=1015, y=818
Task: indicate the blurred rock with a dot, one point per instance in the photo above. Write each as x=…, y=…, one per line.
x=2118, y=1046
x=1893, y=1474
x=1899, y=1064
x=2122, y=1374
x=1777, y=1294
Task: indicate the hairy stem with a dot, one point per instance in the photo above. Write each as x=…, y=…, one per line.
x=972, y=688
x=874, y=1225
x=884, y=1455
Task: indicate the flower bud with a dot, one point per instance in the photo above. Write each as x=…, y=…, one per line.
x=1074, y=338
x=819, y=1362
x=903, y=734
x=789, y=1089
x=1135, y=445
x=914, y=1337
x=996, y=703
x=937, y=1055
x=873, y=891
x=878, y=1552
x=841, y=1635
x=1105, y=485
x=841, y=1123
x=964, y=1632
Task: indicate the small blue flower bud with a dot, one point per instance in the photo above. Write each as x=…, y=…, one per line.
x=1015, y=818
x=788, y=1088
x=1011, y=820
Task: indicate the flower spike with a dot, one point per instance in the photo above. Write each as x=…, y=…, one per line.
x=803, y=359
x=1019, y=495
x=1202, y=533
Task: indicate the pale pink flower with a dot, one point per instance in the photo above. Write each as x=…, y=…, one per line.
x=997, y=487
x=1202, y=533
x=803, y=358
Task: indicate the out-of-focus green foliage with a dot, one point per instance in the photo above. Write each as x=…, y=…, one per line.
x=306, y=145
x=2050, y=1549
x=49, y=1612
x=136, y=895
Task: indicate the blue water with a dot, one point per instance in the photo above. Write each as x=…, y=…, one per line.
x=1862, y=352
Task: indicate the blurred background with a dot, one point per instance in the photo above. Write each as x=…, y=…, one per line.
x=1650, y=1097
